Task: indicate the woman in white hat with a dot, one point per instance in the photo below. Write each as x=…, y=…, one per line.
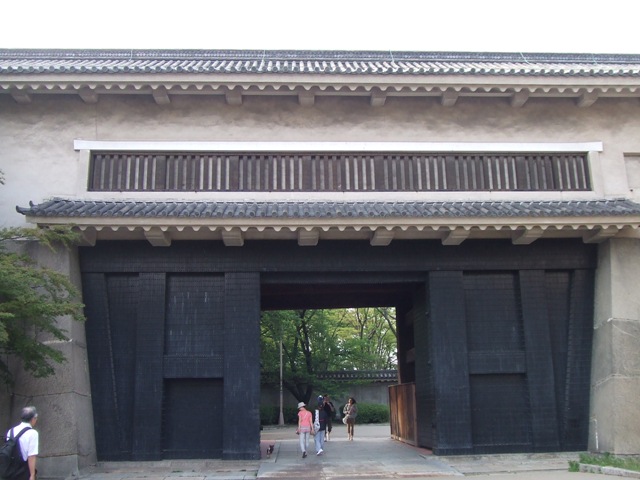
x=305, y=427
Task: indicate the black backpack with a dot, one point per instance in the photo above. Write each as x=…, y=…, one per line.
x=11, y=462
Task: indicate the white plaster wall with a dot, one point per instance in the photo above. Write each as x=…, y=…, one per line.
x=39, y=160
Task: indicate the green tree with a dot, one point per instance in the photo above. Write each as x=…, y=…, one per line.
x=309, y=346
x=32, y=298
x=370, y=341
x=319, y=341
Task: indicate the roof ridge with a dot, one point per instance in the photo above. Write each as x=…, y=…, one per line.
x=317, y=55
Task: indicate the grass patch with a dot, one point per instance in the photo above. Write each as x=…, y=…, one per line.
x=607, y=460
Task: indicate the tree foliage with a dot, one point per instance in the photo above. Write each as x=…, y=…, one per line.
x=32, y=298
x=371, y=343
x=319, y=341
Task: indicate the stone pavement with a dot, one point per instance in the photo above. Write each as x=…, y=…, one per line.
x=371, y=455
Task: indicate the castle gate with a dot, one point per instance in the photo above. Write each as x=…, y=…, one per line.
x=495, y=336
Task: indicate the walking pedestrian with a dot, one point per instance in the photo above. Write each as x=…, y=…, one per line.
x=351, y=412
x=305, y=427
x=330, y=410
x=320, y=425
x=28, y=442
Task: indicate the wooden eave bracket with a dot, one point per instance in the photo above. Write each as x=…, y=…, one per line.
x=526, y=236
x=157, y=237
x=161, y=96
x=233, y=237
x=600, y=234
x=518, y=99
x=308, y=238
x=233, y=97
x=449, y=98
x=378, y=98
x=587, y=99
x=88, y=96
x=456, y=236
x=88, y=237
x=21, y=97
x=306, y=98
x=381, y=237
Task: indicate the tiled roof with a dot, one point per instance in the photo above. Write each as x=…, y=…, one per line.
x=314, y=62
x=59, y=208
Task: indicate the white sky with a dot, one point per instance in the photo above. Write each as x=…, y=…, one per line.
x=566, y=26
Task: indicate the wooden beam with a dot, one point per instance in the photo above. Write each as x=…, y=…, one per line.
x=587, y=99
x=233, y=97
x=233, y=237
x=88, y=96
x=599, y=235
x=449, y=98
x=306, y=98
x=456, y=236
x=161, y=96
x=21, y=97
x=382, y=237
x=526, y=236
x=157, y=237
x=308, y=238
x=88, y=237
x=378, y=98
x=518, y=99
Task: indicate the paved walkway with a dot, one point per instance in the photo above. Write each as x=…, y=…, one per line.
x=371, y=455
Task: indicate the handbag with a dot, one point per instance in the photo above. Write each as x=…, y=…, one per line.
x=344, y=419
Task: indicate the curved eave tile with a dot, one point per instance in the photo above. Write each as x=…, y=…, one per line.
x=76, y=209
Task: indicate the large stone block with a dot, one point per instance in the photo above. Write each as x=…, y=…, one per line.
x=615, y=424
x=625, y=288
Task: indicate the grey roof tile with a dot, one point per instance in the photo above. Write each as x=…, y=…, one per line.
x=61, y=208
x=22, y=61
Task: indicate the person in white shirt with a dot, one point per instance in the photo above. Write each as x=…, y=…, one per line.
x=28, y=441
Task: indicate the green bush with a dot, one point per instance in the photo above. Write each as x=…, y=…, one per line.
x=269, y=415
x=370, y=413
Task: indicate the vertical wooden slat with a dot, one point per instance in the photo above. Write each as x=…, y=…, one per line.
x=259, y=174
x=427, y=171
x=540, y=374
x=160, y=174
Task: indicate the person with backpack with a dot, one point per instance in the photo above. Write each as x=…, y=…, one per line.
x=27, y=445
x=320, y=425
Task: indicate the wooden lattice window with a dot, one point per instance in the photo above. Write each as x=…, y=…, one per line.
x=327, y=172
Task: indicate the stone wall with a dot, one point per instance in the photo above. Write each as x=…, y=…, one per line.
x=65, y=415
x=615, y=390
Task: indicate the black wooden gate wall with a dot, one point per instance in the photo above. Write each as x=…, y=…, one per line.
x=507, y=363
x=497, y=340
x=172, y=354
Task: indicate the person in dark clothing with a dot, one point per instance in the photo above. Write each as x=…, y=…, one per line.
x=330, y=410
x=320, y=425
